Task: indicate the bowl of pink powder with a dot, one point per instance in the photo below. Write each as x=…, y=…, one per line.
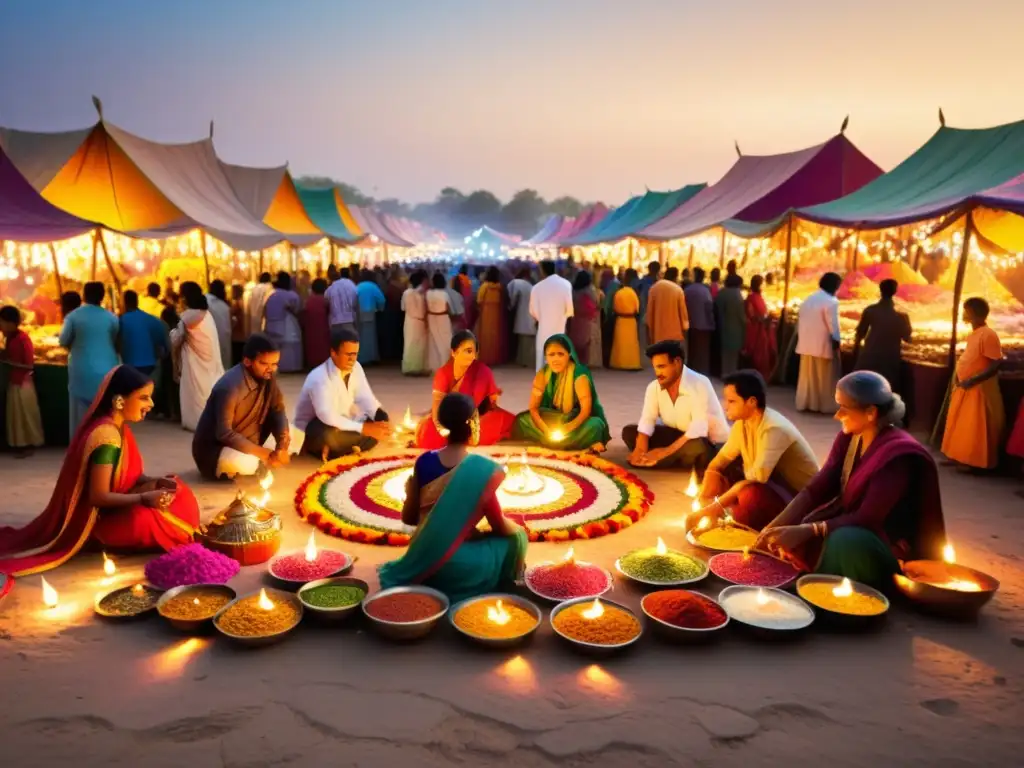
x=293, y=569
x=567, y=580
x=190, y=564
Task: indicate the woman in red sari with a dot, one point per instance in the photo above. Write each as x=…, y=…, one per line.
x=464, y=373
x=585, y=323
x=316, y=327
x=492, y=319
x=759, y=346
x=102, y=493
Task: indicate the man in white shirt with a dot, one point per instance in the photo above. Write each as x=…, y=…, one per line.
x=682, y=423
x=343, y=302
x=550, y=306
x=337, y=409
x=524, y=326
x=818, y=346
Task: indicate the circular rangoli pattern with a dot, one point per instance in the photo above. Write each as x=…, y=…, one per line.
x=562, y=497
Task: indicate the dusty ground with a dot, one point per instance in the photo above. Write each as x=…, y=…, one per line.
x=921, y=692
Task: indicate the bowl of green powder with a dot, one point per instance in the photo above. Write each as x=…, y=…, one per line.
x=334, y=599
x=661, y=567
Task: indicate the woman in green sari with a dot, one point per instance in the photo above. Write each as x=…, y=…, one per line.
x=564, y=410
x=449, y=493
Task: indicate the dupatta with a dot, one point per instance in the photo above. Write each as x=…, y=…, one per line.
x=560, y=388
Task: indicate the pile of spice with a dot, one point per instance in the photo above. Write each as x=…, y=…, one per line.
x=854, y=604
x=495, y=618
x=332, y=596
x=649, y=565
x=404, y=607
x=752, y=570
x=296, y=567
x=196, y=604
x=566, y=580
x=727, y=538
x=247, y=619
x=685, y=609
x=613, y=627
x=190, y=564
x=130, y=601
x=767, y=609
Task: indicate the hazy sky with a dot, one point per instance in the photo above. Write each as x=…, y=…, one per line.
x=594, y=98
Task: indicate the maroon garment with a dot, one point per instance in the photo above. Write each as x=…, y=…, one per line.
x=316, y=330
x=19, y=350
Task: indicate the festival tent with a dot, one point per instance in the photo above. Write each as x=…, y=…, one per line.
x=634, y=215
x=27, y=217
x=558, y=229
x=269, y=194
x=330, y=214
x=370, y=221
x=545, y=233
x=762, y=187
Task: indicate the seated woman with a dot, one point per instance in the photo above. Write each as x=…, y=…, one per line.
x=102, y=493
x=449, y=492
x=875, y=501
x=564, y=410
x=466, y=374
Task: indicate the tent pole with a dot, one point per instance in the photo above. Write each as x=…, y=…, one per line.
x=206, y=260
x=110, y=266
x=661, y=254
x=261, y=262
x=56, y=271
x=689, y=258
x=95, y=253
x=632, y=253
x=958, y=286
x=856, y=251
x=721, y=253
x=785, y=284
x=387, y=254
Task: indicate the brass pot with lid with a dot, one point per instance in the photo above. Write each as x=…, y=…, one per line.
x=249, y=533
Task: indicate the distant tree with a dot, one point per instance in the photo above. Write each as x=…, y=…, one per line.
x=522, y=214
x=566, y=206
x=394, y=206
x=480, y=207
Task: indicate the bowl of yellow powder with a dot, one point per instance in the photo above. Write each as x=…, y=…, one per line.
x=259, y=619
x=191, y=607
x=843, y=603
x=497, y=620
x=595, y=625
x=723, y=538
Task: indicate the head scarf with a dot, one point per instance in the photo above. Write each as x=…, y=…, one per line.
x=560, y=389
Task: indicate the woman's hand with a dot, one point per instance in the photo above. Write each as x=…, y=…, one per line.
x=166, y=483
x=784, y=540
x=157, y=499
x=713, y=511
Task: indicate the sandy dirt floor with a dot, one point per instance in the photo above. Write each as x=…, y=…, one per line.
x=76, y=691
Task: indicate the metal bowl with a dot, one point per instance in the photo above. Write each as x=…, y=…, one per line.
x=760, y=630
x=678, y=583
x=838, y=619
x=334, y=615
x=549, y=598
x=193, y=625
x=296, y=583
x=498, y=642
x=597, y=649
x=942, y=601
x=677, y=634
x=784, y=585
x=100, y=611
x=260, y=640
x=693, y=540
x=407, y=630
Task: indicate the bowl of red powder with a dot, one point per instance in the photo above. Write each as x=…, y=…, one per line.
x=684, y=616
x=405, y=613
x=753, y=570
x=567, y=580
x=292, y=569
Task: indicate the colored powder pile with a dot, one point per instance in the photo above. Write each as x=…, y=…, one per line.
x=404, y=607
x=752, y=570
x=195, y=604
x=190, y=564
x=681, y=608
x=613, y=627
x=767, y=609
x=246, y=619
x=727, y=538
x=130, y=601
x=648, y=565
x=566, y=580
x=478, y=619
x=332, y=596
x=297, y=568
x=856, y=604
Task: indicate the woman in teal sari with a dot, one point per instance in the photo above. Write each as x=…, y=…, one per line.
x=449, y=493
x=564, y=410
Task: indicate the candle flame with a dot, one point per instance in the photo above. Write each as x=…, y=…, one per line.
x=949, y=554
x=50, y=596
x=595, y=611
x=407, y=421
x=557, y=436
x=691, y=489
x=267, y=480
x=138, y=590
x=265, y=602
x=845, y=589
x=311, y=553
x=703, y=523
x=661, y=549
x=762, y=597
x=570, y=556
x=498, y=614
x=695, y=506
x=746, y=553
x=195, y=601
x=109, y=569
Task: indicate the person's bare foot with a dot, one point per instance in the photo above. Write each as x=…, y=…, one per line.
x=597, y=448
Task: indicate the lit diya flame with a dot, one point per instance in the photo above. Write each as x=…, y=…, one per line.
x=949, y=554
x=762, y=597
x=407, y=420
x=691, y=489
x=265, y=482
x=845, y=589
x=265, y=602
x=498, y=614
x=746, y=553
x=661, y=549
x=557, y=436
x=695, y=506
x=570, y=556
x=311, y=552
x=138, y=590
x=595, y=611
x=50, y=596
x=703, y=523
x=195, y=601
x=109, y=569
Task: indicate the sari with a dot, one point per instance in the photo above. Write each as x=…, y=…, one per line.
x=477, y=382
x=443, y=553
x=759, y=345
x=281, y=316
x=439, y=328
x=69, y=520
x=625, y=338
x=585, y=319
x=492, y=324
x=316, y=330
x=560, y=405
x=976, y=418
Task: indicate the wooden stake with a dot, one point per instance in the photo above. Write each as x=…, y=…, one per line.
x=856, y=251
x=958, y=286
x=110, y=267
x=56, y=272
x=206, y=259
x=721, y=253
x=95, y=254
x=785, y=284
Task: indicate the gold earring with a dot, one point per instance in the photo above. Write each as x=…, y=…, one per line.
x=118, y=403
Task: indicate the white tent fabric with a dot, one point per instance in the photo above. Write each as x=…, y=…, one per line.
x=40, y=156
x=256, y=188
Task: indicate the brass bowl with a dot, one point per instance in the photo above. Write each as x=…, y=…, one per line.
x=259, y=641
x=498, y=642
x=677, y=634
x=549, y=598
x=152, y=591
x=693, y=538
x=406, y=630
x=244, y=532
x=193, y=625
x=595, y=649
x=942, y=601
x=665, y=584
x=838, y=619
x=340, y=613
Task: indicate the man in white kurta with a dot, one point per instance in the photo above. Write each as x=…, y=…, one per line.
x=818, y=346
x=550, y=306
x=524, y=326
x=256, y=302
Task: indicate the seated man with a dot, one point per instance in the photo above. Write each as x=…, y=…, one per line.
x=336, y=408
x=244, y=409
x=682, y=423
x=764, y=463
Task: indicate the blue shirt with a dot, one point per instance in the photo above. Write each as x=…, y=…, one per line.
x=371, y=297
x=142, y=337
x=89, y=334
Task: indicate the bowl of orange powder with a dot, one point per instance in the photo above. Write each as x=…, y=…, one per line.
x=596, y=626
x=496, y=621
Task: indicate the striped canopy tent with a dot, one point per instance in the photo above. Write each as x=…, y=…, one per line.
x=634, y=215
x=269, y=194
x=558, y=229
x=545, y=234
x=329, y=212
x=371, y=221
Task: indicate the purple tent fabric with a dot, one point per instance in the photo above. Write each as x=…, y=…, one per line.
x=759, y=188
x=370, y=221
x=26, y=216
x=1005, y=197
x=551, y=226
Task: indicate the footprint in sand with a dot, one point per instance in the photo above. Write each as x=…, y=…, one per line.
x=942, y=707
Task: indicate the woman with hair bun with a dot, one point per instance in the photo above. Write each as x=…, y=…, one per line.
x=875, y=501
